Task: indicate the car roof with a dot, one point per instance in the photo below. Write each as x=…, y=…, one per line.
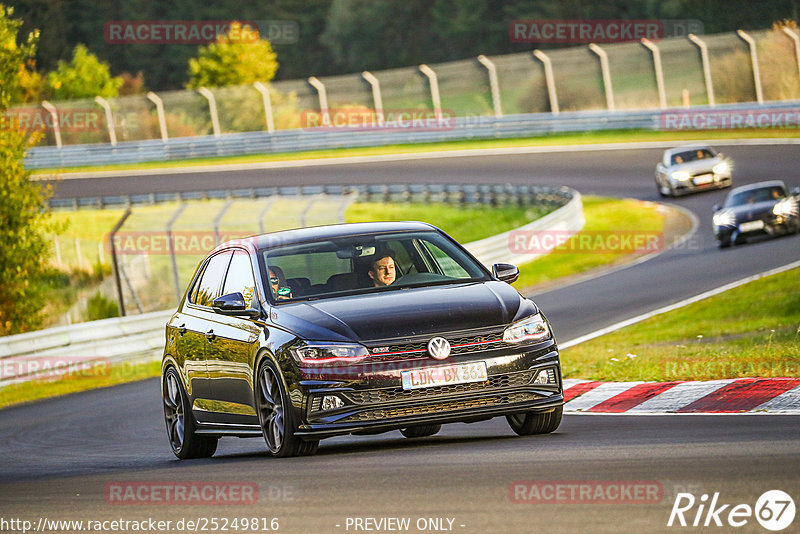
x=687, y=148
x=758, y=185
x=317, y=233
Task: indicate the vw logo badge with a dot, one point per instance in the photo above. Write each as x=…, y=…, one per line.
x=439, y=348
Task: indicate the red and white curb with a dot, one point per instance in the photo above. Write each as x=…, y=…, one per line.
x=730, y=396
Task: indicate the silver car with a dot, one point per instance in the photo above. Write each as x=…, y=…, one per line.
x=688, y=169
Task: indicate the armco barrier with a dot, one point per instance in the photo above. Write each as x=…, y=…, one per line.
x=478, y=127
x=141, y=337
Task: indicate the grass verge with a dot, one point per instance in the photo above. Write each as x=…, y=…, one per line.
x=582, y=138
x=750, y=331
x=42, y=389
x=604, y=217
x=464, y=224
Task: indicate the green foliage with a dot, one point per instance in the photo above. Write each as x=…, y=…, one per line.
x=83, y=77
x=100, y=307
x=237, y=58
x=15, y=58
x=23, y=216
x=23, y=247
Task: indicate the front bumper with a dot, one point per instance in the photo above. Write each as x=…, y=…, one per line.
x=378, y=402
x=772, y=225
x=700, y=182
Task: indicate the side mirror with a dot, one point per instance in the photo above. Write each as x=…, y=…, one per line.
x=233, y=304
x=716, y=207
x=795, y=191
x=505, y=272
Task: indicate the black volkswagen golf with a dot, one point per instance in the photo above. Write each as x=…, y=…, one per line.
x=352, y=329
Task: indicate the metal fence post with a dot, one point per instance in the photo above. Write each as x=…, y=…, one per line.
x=162, y=119
x=173, y=260
x=115, y=262
x=609, y=89
x=376, y=95
x=751, y=43
x=433, y=81
x=212, y=108
x=112, y=134
x=267, y=206
x=549, y=79
x=794, y=37
x=706, y=67
x=218, y=219
x=264, y=90
x=51, y=109
x=493, y=85
x=662, y=95
x=323, y=99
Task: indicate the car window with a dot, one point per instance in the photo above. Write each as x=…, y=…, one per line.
x=240, y=277
x=210, y=283
x=753, y=196
x=691, y=155
x=343, y=265
x=446, y=264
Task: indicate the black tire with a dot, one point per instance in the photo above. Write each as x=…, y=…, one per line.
x=421, y=431
x=276, y=415
x=529, y=423
x=724, y=243
x=183, y=439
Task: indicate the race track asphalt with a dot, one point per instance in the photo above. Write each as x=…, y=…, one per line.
x=58, y=456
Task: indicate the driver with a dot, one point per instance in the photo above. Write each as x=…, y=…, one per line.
x=382, y=270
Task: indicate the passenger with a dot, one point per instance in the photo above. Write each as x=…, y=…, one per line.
x=277, y=281
x=382, y=269
x=678, y=160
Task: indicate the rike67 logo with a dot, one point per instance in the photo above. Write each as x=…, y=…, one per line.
x=774, y=510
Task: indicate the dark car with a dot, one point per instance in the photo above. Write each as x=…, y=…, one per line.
x=297, y=336
x=763, y=208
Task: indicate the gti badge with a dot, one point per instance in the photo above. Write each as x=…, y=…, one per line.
x=439, y=348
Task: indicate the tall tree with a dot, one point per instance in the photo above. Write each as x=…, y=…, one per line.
x=83, y=77
x=237, y=58
x=23, y=215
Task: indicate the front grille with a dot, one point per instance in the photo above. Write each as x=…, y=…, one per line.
x=439, y=407
x=458, y=345
x=495, y=382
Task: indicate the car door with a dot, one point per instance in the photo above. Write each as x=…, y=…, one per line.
x=232, y=346
x=192, y=326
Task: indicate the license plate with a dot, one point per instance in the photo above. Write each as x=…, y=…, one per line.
x=703, y=179
x=445, y=375
x=750, y=226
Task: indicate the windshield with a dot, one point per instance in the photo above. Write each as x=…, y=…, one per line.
x=753, y=196
x=691, y=155
x=366, y=264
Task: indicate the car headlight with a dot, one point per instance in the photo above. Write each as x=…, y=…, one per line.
x=724, y=218
x=680, y=175
x=786, y=207
x=721, y=168
x=532, y=328
x=318, y=353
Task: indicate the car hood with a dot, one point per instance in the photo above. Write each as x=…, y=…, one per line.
x=406, y=312
x=751, y=212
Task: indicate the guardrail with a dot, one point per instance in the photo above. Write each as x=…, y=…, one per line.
x=295, y=140
x=76, y=348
